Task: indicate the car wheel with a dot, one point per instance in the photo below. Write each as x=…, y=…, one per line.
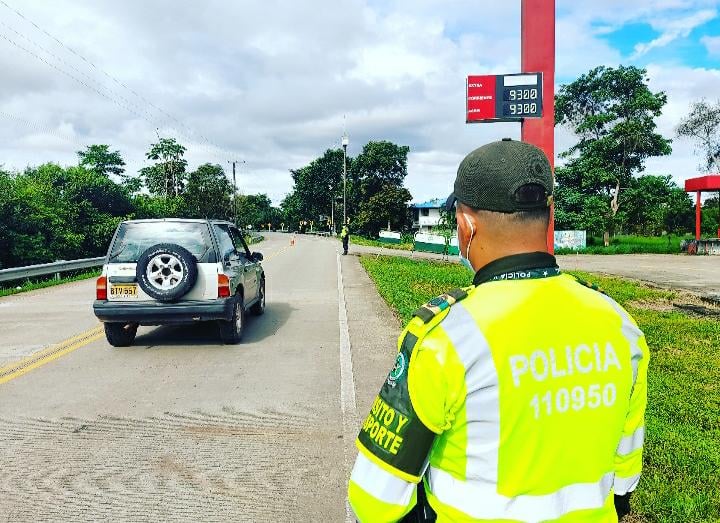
x=120, y=334
x=231, y=331
x=259, y=308
x=166, y=272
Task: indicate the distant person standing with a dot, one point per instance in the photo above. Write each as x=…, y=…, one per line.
x=345, y=235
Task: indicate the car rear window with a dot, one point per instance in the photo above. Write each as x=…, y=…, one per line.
x=135, y=238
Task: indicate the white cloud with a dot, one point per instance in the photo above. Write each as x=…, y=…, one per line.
x=269, y=81
x=672, y=29
x=712, y=44
x=683, y=86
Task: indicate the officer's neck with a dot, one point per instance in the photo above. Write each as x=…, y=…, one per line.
x=484, y=253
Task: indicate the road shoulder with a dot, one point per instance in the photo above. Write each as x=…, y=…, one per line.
x=373, y=332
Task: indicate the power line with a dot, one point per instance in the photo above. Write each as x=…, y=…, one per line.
x=71, y=76
x=208, y=144
x=97, y=91
x=72, y=67
x=42, y=129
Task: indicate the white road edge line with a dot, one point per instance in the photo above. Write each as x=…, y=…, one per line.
x=347, y=384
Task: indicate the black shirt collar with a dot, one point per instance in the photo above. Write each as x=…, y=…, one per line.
x=516, y=262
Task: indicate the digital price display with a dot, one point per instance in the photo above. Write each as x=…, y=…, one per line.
x=504, y=98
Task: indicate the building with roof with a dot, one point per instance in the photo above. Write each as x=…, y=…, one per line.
x=426, y=215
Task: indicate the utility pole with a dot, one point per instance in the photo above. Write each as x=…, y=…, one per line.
x=233, y=162
x=345, y=142
x=332, y=210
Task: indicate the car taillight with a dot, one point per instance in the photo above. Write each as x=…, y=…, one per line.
x=223, y=286
x=101, y=288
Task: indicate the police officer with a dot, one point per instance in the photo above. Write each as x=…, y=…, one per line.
x=345, y=235
x=520, y=398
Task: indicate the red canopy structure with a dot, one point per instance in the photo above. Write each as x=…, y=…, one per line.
x=699, y=186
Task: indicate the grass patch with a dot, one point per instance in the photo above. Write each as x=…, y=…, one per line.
x=669, y=244
x=681, y=478
x=31, y=285
x=359, y=240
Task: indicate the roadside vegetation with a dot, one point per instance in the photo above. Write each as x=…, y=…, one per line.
x=682, y=453
x=406, y=243
x=51, y=212
x=10, y=288
x=631, y=244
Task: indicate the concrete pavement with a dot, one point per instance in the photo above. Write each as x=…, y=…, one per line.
x=697, y=274
x=181, y=428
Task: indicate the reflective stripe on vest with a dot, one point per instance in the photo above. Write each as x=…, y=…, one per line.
x=482, y=400
x=480, y=500
x=631, y=443
x=624, y=485
x=380, y=483
x=631, y=332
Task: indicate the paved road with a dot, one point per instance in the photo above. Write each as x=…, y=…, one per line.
x=179, y=427
x=697, y=274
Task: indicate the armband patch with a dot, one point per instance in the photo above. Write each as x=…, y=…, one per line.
x=435, y=306
x=393, y=432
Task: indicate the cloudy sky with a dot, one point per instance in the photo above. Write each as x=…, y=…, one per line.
x=270, y=81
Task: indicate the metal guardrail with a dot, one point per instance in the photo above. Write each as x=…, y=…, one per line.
x=43, y=269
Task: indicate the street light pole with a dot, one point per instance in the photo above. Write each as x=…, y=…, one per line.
x=233, y=162
x=332, y=209
x=345, y=142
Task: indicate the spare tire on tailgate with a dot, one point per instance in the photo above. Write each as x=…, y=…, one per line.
x=166, y=272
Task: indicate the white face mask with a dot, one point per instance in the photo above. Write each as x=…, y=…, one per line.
x=465, y=260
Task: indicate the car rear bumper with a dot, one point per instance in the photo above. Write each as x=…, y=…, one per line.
x=155, y=313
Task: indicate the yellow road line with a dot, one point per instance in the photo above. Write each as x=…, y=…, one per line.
x=276, y=253
x=17, y=369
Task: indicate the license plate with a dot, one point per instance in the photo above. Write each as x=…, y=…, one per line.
x=123, y=291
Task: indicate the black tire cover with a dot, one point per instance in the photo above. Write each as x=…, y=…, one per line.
x=186, y=260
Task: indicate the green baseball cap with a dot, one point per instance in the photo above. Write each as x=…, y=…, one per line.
x=505, y=176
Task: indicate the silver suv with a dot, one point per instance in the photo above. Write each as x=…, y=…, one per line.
x=160, y=272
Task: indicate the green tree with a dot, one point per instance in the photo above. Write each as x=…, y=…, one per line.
x=101, y=160
x=612, y=111
x=447, y=226
x=378, y=173
x=710, y=217
x=292, y=210
x=653, y=204
x=168, y=175
x=98, y=205
x=387, y=208
x=702, y=126
x=208, y=193
x=6, y=215
x=148, y=207
x=380, y=164
x=315, y=187
x=255, y=210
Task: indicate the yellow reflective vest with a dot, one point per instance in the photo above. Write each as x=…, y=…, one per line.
x=521, y=399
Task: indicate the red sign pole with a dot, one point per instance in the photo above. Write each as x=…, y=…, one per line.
x=698, y=215
x=538, y=54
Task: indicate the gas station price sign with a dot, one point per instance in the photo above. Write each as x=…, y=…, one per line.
x=504, y=98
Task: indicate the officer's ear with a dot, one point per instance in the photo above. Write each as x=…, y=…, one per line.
x=467, y=223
